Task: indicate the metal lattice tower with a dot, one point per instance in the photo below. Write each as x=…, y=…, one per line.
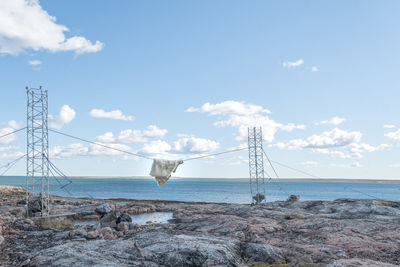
x=37, y=165
x=256, y=165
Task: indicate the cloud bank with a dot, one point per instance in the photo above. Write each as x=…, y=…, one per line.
x=24, y=25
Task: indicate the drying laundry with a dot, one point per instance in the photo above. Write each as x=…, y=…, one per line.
x=162, y=169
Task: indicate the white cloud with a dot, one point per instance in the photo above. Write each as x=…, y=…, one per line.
x=332, y=153
x=107, y=138
x=96, y=150
x=35, y=62
x=156, y=147
x=291, y=64
x=24, y=25
x=9, y=138
x=69, y=151
x=314, y=69
x=394, y=165
x=394, y=135
x=309, y=163
x=236, y=160
x=13, y=124
x=78, y=149
x=194, y=145
x=355, y=164
x=337, y=139
x=334, y=121
x=14, y=155
x=389, y=126
x=241, y=116
x=65, y=116
x=333, y=138
x=131, y=136
x=154, y=132
x=134, y=136
x=8, y=148
x=229, y=107
x=114, y=114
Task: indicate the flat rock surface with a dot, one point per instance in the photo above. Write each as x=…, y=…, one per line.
x=344, y=232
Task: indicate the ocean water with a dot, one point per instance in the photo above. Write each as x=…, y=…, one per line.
x=212, y=190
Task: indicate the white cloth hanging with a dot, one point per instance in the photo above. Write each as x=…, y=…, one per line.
x=162, y=169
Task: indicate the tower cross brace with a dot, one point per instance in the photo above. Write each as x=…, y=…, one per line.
x=256, y=165
x=37, y=138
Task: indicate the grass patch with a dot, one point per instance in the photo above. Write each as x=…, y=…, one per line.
x=56, y=223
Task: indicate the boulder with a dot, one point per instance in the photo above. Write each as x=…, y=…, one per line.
x=293, y=198
x=124, y=218
x=123, y=227
x=108, y=219
x=260, y=253
x=92, y=235
x=35, y=205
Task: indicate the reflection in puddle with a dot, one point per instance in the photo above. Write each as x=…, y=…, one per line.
x=154, y=217
x=84, y=223
x=141, y=219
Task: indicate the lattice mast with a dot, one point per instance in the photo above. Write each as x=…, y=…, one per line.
x=37, y=165
x=256, y=165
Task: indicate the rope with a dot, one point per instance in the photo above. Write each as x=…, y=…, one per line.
x=276, y=174
x=140, y=155
x=216, y=154
x=4, y=135
x=294, y=169
x=59, y=172
x=10, y=164
x=99, y=144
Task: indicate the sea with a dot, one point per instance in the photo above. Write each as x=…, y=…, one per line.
x=212, y=190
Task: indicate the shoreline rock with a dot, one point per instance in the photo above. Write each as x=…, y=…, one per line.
x=343, y=232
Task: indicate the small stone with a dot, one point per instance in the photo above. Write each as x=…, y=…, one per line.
x=105, y=230
x=123, y=227
x=1, y=240
x=108, y=236
x=92, y=235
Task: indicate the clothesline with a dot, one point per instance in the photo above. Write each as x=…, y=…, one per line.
x=141, y=155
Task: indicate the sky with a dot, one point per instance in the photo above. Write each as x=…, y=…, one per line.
x=179, y=79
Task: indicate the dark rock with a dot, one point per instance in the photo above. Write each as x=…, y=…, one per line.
x=293, y=198
x=35, y=205
x=258, y=198
x=108, y=219
x=124, y=218
x=260, y=253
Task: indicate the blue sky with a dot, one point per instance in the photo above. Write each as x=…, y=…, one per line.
x=321, y=77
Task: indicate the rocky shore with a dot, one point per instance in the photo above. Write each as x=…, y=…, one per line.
x=344, y=232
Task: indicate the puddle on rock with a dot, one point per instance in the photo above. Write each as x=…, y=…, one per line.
x=84, y=223
x=153, y=217
x=141, y=219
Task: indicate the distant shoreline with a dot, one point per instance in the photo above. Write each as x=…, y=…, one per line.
x=343, y=180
